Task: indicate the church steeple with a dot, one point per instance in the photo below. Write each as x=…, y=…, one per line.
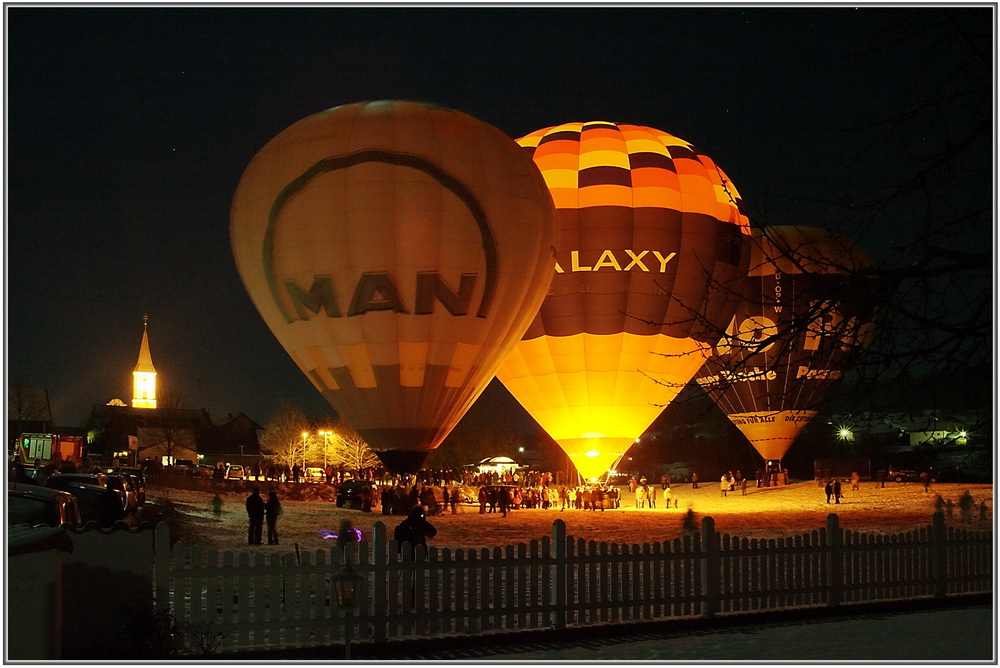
x=144, y=375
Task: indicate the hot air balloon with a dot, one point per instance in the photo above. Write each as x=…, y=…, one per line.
x=648, y=230
x=397, y=250
x=805, y=314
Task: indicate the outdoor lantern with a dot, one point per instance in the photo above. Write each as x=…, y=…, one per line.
x=346, y=584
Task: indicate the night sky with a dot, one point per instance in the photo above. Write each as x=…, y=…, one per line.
x=128, y=130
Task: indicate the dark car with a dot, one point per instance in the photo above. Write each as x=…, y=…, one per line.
x=138, y=482
x=910, y=474
x=351, y=493
x=88, y=497
x=123, y=483
x=34, y=505
x=202, y=471
x=60, y=480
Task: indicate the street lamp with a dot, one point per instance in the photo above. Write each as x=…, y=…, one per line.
x=305, y=435
x=325, y=434
x=347, y=585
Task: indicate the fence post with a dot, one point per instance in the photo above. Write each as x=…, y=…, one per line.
x=710, y=568
x=559, y=574
x=380, y=582
x=939, y=561
x=834, y=560
x=161, y=566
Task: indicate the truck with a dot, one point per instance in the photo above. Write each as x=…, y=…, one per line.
x=49, y=449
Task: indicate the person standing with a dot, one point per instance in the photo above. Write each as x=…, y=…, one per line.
x=855, y=481
x=651, y=495
x=829, y=490
x=483, y=497
x=694, y=480
x=743, y=487
x=504, y=499
x=414, y=531
x=965, y=505
x=296, y=472
x=666, y=497
x=272, y=508
x=724, y=484
x=836, y=490
x=453, y=500
x=255, y=515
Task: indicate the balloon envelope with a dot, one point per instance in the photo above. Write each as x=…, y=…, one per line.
x=397, y=250
x=805, y=315
x=647, y=229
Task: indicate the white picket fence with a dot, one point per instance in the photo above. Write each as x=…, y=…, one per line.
x=286, y=600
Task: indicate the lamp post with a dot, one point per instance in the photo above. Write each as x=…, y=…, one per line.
x=347, y=584
x=305, y=435
x=325, y=434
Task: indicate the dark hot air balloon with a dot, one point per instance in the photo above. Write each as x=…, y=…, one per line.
x=806, y=313
x=397, y=250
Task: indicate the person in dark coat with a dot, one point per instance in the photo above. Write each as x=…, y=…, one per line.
x=255, y=515
x=836, y=490
x=414, y=530
x=504, y=500
x=387, y=498
x=829, y=490
x=402, y=501
x=272, y=508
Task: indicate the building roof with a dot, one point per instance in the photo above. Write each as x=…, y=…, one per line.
x=145, y=363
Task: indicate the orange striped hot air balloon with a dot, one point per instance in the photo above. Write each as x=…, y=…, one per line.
x=648, y=230
x=397, y=250
x=804, y=318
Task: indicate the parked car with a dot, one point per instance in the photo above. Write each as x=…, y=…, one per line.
x=315, y=474
x=124, y=484
x=60, y=480
x=182, y=464
x=88, y=497
x=34, y=505
x=202, y=471
x=235, y=472
x=910, y=474
x=351, y=492
x=138, y=483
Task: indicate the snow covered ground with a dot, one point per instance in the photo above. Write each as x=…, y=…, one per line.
x=763, y=513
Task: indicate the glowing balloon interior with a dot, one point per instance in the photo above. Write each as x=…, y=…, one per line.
x=805, y=315
x=397, y=250
x=648, y=228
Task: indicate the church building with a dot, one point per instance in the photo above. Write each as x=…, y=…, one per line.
x=155, y=428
